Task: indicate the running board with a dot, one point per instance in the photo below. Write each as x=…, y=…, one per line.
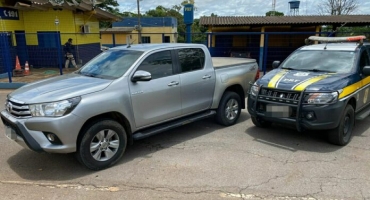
x=363, y=114
x=173, y=124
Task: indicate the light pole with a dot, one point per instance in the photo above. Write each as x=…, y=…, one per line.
x=138, y=22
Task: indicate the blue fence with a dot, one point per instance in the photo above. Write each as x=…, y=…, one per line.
x=49, y=53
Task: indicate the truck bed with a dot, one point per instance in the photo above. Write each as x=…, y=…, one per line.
x=219, y=62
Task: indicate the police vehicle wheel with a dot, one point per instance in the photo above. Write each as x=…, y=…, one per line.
x=260, y=123
x=102, y=145
x=342, y=134
x=229, y=109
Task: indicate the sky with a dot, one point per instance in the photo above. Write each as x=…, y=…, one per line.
x=235, y=7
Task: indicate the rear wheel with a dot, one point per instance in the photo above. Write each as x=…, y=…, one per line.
x=260, y=123
x=342, y=134
x=229, y=109
x=102, y=144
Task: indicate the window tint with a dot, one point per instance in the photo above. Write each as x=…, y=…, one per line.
x=158, y=64
x=364, y=59
x=191, y=59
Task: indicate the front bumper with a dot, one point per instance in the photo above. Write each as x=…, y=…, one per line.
x=324, y=116
x=31, y=132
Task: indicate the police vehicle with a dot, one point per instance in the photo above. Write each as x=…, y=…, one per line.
x=321, y=86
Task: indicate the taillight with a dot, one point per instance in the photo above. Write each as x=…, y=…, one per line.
x=257, y=75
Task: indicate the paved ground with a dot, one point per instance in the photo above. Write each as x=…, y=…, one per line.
x=200, y=161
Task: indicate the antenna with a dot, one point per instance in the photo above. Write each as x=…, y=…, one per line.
x=273, y=7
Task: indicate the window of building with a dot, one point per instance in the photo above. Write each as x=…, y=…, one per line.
x=145, y=39
x=158, y=64
x=167, y=39
x=191, y=59
x=48, y=39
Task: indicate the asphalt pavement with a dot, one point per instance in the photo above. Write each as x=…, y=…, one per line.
x=201, y=160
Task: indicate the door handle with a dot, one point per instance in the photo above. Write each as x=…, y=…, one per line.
x=173, y=83
x=206, y=76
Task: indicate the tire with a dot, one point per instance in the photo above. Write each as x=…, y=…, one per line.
x=260, y=123
x=102, y=145
x=229, y=109
x=342, y=134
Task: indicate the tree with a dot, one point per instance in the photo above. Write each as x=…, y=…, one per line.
x=274, y=13
x=337, y=7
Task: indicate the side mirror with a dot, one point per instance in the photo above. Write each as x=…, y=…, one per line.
x=366, y=71
x=141, y=76
x=275, y=64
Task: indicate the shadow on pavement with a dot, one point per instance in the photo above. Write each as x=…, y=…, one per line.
x=43, y=166
x=290, y=139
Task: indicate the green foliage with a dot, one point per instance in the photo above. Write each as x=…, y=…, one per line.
x=274, y=13
x=161, y=11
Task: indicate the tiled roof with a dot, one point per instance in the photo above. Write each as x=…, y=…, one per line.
x=286, y=20
x=117, y=30
x=45, y=5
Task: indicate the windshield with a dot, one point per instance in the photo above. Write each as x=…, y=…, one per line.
x=329, y=61
x=110, y=64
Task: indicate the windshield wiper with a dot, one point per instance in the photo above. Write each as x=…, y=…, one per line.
x=289, y=68
x=317, y=70
x=87, y=74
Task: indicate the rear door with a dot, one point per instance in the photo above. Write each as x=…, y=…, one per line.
x=159, y=99
x=197, y=80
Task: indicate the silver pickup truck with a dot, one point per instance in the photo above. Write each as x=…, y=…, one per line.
x=125, y=94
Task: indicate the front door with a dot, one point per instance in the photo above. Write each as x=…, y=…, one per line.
x=159, y=99
x=364, y=94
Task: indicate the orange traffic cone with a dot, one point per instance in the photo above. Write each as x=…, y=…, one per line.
x=18, y=71
x=17, y=64
x=26, y=69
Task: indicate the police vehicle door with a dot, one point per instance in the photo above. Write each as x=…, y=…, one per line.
x=363, y=98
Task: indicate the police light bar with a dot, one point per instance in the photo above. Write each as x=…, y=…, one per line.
x=338, y=39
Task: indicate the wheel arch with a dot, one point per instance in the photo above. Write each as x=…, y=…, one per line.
x=116, y=116
x=238, y=89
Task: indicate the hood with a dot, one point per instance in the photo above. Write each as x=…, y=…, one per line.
x=58, y=88
x=300, y=80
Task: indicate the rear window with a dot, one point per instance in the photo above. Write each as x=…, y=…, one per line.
x=191, y=59
x=331, y=61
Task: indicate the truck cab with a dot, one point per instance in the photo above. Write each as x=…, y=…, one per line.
x=322, y=86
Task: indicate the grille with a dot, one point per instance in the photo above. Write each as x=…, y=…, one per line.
x=274, y=95
x=18, y=110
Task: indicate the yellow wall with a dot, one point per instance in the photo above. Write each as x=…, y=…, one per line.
x=155, y=34
x=69, y=25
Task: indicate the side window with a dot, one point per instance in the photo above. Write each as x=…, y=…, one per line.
x=158, y=64
x=191, y=59
x=364, y=60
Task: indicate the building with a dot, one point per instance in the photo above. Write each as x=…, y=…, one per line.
x=273, y=36
x=153, y=30
x=36, y=31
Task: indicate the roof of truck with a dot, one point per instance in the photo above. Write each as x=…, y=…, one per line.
x=349, y=46
x=148, y=47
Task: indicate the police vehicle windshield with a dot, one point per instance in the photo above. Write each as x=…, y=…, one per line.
x=319, y=60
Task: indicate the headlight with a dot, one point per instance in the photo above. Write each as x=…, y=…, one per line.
x=321, y=98
x=254, y=89
x=54, y=109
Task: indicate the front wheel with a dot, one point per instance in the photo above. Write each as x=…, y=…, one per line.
x=342, y=134
x=229, y=109
x=102, y=145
